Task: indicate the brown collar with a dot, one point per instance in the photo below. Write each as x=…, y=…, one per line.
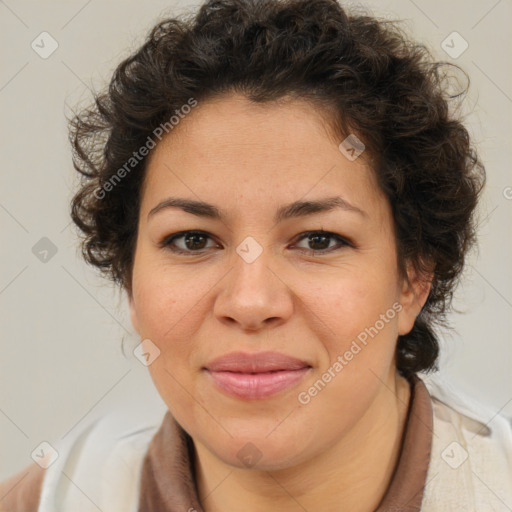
x=168, y=485
x=405, y=492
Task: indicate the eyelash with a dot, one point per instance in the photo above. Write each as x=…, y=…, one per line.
x=168, y=241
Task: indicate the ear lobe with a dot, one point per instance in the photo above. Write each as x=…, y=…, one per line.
x=415, y=290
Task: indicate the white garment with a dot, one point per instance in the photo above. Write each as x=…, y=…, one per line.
x=470, y=469
x=99, y=466
x=471, y=459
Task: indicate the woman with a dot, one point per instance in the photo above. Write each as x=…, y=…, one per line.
x=282, y=192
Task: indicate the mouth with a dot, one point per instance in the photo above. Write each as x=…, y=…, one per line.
x=256, y=376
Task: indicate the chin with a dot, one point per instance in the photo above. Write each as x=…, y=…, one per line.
x=259, y=453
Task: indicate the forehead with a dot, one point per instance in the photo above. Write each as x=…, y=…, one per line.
x=234, y=149
x=232, y=123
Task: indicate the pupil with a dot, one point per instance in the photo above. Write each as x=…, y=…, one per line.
x=316, y=237
x=193, y=236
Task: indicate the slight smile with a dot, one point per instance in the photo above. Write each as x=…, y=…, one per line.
x=255, y=376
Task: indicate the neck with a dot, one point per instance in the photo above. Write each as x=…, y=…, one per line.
x=352, y=476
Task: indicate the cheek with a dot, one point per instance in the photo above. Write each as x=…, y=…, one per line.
x=350, y=303
x=164, y=305
x=162, y=299
x=170, y=308
x=358, y=332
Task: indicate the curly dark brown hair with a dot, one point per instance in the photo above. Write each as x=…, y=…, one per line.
x=377, y=84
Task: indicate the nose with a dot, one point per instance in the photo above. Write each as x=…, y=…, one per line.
x=254, y=296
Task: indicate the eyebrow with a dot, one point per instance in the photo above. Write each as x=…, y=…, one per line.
x=292, y=210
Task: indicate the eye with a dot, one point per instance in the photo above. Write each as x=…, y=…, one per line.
x=321, y=241
x=194, y=242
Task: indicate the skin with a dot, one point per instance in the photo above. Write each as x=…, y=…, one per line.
x=248, y=160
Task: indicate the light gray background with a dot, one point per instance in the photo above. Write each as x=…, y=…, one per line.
x=61, y=361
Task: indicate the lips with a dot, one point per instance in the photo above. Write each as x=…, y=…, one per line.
x=255, y=376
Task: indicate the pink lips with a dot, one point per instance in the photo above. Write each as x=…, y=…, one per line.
x=253, y=376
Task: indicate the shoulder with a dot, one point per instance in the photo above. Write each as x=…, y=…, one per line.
x=20, y=492
x=471, y=455
x=98, y=463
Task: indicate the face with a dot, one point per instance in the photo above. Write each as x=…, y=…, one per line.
x=319, y=285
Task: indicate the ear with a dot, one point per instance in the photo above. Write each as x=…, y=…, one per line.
x=414, y=294
x=133, y=313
